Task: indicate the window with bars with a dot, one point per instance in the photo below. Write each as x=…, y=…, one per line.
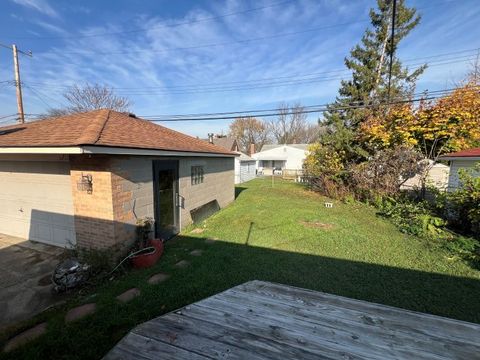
x=197, y=175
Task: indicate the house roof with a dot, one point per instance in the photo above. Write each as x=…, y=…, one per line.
x=225, y=142
x=105, y=128
x=469, y=153
x=274, y=146
x=244, y=157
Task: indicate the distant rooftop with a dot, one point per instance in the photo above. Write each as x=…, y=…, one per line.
x=225, y=142
x=274, y=146
x=468, y=153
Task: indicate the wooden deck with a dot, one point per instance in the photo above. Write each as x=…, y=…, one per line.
x=261, y=320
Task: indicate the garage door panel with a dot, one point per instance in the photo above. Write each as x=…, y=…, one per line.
x=38, y=204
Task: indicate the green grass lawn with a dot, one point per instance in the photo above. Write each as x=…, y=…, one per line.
x=282, y=234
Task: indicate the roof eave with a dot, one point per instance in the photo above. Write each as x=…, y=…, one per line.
x=474, y=158
x=109, y=150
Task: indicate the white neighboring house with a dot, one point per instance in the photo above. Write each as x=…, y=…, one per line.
x=245, y=169
x=281, y=158
x=437, y=177
x=465, y=159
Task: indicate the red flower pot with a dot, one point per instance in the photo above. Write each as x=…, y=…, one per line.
x=144, y=260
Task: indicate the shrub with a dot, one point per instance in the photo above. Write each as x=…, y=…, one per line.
x=463, y=204
x=384, y=173
x=414, y=218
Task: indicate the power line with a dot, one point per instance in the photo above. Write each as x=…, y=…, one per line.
x=38, y=96
x=433, y=92
x=159, y=26
x=421, y=96
x=273, y=81
x=204, y=89
x=309, y=109
x=226, y=43
x=7, y=116
x=301, y=112
x=140, y=30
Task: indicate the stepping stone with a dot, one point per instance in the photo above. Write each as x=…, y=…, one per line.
x=210, y=241
x=25, y=337
x=196, y=252
x=128, y=295
x=80, y=312
x=157, y=278
x=197, y=231
x=182, y=264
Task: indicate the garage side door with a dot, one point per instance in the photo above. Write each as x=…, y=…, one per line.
x=36, y=201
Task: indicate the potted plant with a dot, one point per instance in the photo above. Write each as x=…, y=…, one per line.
x=147, y=251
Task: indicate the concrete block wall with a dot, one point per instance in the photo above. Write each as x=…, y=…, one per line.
x=123, y=192
x=132, y=195
x=218, y=184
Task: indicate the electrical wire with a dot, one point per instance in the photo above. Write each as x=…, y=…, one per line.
x=432, y=95
x=195, y=47
x=156, y=27
x=441, y=92
x=238, y=85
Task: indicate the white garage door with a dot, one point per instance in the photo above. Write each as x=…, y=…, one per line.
x=36, y=201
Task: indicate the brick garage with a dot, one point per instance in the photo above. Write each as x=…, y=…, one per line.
x=112, y=159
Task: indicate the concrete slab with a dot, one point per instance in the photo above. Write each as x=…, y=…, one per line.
x=25, y=268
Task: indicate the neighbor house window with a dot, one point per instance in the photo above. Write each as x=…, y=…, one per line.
x=197, y=175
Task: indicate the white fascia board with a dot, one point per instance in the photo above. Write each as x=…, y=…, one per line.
x=146, y=152
x=104, y=150
x=41, y=150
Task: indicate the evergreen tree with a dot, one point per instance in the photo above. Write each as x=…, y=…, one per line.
x=369, y=63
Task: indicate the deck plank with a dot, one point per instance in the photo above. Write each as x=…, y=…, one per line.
x=393, y=317
x=218, y=341
x=263, y=321
x=135, y=346
x=375, y=340
x=356, y=322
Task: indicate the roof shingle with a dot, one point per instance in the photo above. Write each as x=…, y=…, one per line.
x=475, y=152
x=102, y=128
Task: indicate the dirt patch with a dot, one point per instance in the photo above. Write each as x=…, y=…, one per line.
x=316, y=225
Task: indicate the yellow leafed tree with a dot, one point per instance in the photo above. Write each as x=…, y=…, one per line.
x=450, y=123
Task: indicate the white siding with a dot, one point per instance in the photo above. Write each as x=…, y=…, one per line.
x=455, y=166
x=36, y=201
x=294, y=157
x=437, y=176
x=244, y=171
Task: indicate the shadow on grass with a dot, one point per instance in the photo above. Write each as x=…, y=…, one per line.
x=434, y=293
x=223, y=265
x=238, y=190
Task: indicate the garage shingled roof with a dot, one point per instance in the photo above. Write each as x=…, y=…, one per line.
x=102, y=128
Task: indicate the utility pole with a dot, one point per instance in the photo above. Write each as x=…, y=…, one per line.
x=392, y=50
x=18, y=83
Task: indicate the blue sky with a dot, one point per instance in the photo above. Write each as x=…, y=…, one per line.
x=177, y=57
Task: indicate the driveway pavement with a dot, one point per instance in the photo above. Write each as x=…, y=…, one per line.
x=25, y=286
